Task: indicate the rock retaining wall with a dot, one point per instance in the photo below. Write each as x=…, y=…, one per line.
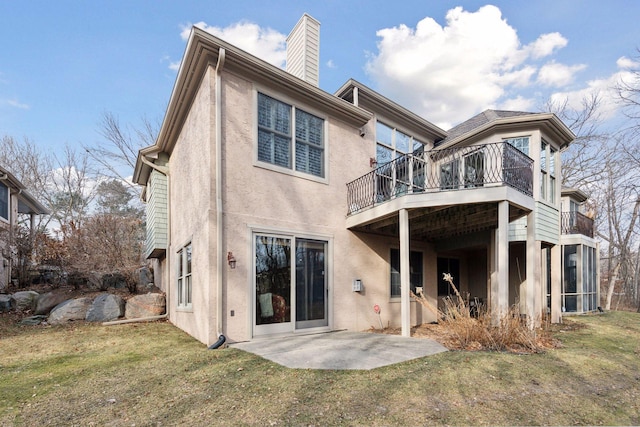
x=103, y=308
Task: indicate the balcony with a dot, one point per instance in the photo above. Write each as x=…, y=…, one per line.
x=439, y=170
x=577, y=223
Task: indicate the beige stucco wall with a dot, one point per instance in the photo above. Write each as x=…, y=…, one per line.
x=191, y=218
x=259, y=199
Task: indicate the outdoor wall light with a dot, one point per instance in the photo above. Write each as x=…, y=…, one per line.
x=373, y=162
x=231, y=259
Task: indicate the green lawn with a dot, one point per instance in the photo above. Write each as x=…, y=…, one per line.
x=154, y=374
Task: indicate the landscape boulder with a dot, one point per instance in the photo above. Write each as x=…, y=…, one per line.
x=46, y=302
x=7, y=303
x=73, y=309
x=145, y=279
x=105, y=307
x=152, y=304
x=25, y=300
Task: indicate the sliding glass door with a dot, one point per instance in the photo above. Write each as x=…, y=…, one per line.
x=285, y=299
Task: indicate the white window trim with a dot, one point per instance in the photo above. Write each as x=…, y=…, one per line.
x=294, y=104
x=415, y=142
x=289, y=233
x=507, y=138
x=547, y=174
x=181, y=306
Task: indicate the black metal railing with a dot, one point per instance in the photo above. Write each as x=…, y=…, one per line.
x=443, y=170
x=577, y=223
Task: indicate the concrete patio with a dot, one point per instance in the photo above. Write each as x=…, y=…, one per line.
x=340, y=350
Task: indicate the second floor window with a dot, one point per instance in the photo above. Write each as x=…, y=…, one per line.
x=278, y=123
x=547, y=172
x=521, y=143
x=391, y=143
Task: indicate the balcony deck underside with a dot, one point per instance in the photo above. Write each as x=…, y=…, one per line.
x=437, y=216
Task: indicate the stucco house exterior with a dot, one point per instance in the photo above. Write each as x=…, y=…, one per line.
x=14, y=200
x=274, y=207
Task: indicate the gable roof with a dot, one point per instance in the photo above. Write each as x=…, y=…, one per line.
x=204, y=50
x=489, y=119
x=27, y=204
x=365, y=97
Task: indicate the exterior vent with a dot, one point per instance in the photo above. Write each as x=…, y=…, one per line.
x=303, y=50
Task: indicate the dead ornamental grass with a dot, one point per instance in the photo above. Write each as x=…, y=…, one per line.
x=471, y=327
x=155, y=374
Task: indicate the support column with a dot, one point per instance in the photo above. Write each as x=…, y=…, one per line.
x=534, y=286
x=500, y=277
x=556, y=284
x=405, y=312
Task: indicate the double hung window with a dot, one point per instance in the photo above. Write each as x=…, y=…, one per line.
x=279, y=126
x=415, y=275
x=184, y=277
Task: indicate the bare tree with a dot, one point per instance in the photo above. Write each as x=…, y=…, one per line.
x=70, y=188
x=618, y=201
x=117, y=158
x=628, y=91
x=31, y=165
x=582, y=161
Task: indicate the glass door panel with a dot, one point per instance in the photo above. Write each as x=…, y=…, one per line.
x=272, y=284
x=311, y=284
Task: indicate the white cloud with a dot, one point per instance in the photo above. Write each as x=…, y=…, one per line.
x=558, y=75
x=265, y=43
x=449, y=73
x=626, y=63
x=603, y=88
x=519, y=103
x=546, y=45
x=331, y=64
x=17, y=104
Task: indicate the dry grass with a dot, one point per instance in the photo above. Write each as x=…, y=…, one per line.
x=463, y=326
x=154, y=374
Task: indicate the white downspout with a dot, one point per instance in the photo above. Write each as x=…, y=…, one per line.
x=165, y=171
x=219, y=206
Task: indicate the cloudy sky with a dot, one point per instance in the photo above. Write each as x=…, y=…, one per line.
x=64, y=63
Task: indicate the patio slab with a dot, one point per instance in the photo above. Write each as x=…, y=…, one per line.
x=340, y=350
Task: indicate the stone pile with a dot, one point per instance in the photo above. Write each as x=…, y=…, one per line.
x=56, y=309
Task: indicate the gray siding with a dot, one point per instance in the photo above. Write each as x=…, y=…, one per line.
x=518, y=230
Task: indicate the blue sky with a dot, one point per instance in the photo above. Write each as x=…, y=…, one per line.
x=64, y=63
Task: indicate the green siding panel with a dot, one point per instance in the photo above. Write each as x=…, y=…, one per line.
x=157, y=215
x=547, y=223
